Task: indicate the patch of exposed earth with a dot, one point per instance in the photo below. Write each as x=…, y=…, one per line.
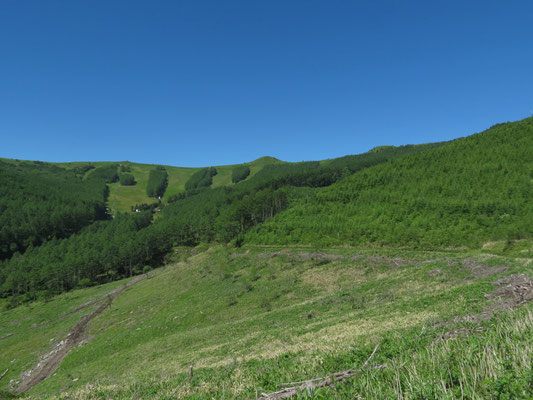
x=474, y=267
x=49, y=362
x=513, y=291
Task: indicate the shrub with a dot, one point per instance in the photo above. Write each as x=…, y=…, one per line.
x=146, y=269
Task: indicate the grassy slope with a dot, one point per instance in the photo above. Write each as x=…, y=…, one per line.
x=248, y=320
x=467, y=192
x=36, y=327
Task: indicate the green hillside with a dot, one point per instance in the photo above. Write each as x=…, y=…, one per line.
x=465, y=193
x=122, y=198
x=403, y=272
x=250, y=319
x=131, y=242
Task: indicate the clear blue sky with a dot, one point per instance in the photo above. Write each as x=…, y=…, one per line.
x=197, y=83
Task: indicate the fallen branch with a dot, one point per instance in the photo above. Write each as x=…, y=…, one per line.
x=6, y=336
x=4, y=374
x=295, y=387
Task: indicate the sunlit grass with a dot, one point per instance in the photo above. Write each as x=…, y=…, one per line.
x=252, y=318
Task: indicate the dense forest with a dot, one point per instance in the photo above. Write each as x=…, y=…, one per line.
x=157, y=182
x=99, y=253
x=468, y=192
x=39, y=202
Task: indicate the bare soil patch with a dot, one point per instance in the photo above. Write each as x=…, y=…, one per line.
x=481, y=271
x=49, y=362
x=513, y=291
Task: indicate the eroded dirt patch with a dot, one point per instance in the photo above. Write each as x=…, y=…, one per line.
x=481, y=271
x=49, y=362
x=513, y=291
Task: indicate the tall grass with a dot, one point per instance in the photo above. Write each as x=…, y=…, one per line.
x=494, y=364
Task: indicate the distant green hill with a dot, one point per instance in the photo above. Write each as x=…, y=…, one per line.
x=467, y=192
x=122, y=198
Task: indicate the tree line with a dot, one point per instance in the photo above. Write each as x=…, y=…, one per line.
x=106, y=173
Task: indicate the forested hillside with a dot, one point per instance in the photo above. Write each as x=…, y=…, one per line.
x=461, y=193
x=126, y=245
x=465, y=193
x=101, y=252
x=39, y=201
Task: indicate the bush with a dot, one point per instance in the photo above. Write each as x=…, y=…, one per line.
x=146, y=269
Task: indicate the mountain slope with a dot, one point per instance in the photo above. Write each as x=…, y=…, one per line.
x=250, y=319
x=123, y=198
x=467, y=192
x=129, y=243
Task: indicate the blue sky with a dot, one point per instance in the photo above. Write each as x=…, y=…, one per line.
x=195, y=83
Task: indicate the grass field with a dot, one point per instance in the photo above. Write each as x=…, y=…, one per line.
x=250, y=319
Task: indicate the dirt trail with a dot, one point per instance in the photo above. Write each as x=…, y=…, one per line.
x=48, y=363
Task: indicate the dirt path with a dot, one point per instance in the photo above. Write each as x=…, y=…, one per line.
x=48, y=363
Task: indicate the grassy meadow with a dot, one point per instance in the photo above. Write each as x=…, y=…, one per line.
x=252, y=318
